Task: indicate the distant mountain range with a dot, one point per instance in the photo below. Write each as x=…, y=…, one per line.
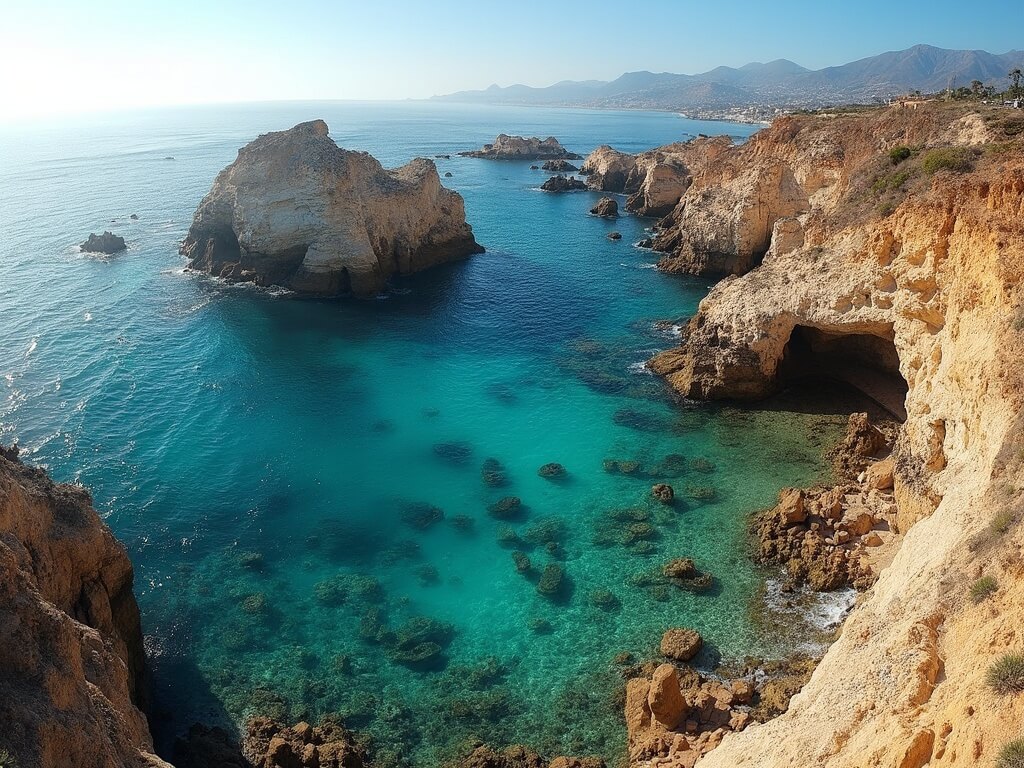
x=779, y=83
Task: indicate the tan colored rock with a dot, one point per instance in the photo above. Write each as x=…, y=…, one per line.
x=879, y=475
x=607, y=169
x=932, y=290
x=71, y=657
x=296, y=210
x=791, y=505
x=681, y=643
x=665, y=698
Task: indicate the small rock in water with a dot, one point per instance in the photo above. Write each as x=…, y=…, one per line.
x=663, y=492
x=606, y=207
x=681, y=644
x=107, y=243
x=134, y=217
x=447, y=174
x=614, y=236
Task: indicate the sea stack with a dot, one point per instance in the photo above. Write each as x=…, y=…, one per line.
x=507, y=147
x=296, y=210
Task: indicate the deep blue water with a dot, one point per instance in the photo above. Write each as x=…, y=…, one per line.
x=262, y=457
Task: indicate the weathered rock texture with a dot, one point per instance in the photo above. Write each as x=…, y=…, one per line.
x=296, y=210
x=913, y=284
x=654, y=180
x=507, y=147
x=71, y=657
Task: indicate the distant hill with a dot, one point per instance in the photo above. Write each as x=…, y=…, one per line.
x=778, y=83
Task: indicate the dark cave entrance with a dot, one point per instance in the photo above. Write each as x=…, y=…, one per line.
x=867, y=362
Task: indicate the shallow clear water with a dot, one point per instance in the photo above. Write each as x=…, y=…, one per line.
x=256, y=453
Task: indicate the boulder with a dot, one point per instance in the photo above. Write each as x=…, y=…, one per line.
x=107, y=243
x=606, y=207
x=681, y=644
x=665, y=698
x=296, y=210
x=507, y=147
x=614, y=235
x=879, y=476
x=791, y=506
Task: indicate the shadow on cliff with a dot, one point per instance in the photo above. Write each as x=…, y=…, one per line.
x=198, y=703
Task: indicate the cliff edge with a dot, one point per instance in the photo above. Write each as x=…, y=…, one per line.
x=71, y=656
x=884, y=249
x=296, y=210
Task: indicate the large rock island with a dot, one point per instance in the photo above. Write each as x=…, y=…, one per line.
x=507, y=147
x=296, y=210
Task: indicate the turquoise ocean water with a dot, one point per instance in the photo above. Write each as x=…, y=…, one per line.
x=278, y=469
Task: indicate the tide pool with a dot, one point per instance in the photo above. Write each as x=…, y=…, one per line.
x=310, y=490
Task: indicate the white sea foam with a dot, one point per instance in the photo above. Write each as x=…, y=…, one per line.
x=640, y=368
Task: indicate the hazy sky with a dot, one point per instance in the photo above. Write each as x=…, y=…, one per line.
x=71, y=55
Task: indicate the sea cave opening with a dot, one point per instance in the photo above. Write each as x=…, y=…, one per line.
x=865, y=360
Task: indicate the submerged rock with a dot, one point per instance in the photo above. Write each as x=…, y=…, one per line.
x=614, y=235
x=421, y=515
x=507, y=147
x=663, y=493
x=551, y=583
x=107, y=243
x=507, y=508
x=552, y=471
x=296, y=210
x=562, y=183
x=606, y=207
x=493, y=474
x=457, y=453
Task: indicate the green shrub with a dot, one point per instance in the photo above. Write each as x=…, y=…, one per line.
x=7, y=759
x=956, y=159
x=1002, y=522
x=898, y=154
x=1011, y=755
x=1006, y=674
x=982, y=588
x=892, y=181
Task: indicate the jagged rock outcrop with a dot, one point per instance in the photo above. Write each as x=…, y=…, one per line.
x=107, y=243
x=654, y=180
x=71, y=656
x=507, y=147
x=606, y=207
x=296, y=210
x=562, y=183
x=901, y=277
x=607, y=169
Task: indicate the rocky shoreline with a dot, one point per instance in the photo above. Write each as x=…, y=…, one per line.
x=899, y=280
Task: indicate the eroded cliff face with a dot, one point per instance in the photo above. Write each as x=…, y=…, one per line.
x=901, y=277
x=654, y=180
x=296, y=210
x=71, y=657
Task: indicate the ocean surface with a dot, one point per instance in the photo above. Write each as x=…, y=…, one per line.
x=304, y=486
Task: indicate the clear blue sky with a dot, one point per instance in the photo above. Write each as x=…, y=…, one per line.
x=65, y=55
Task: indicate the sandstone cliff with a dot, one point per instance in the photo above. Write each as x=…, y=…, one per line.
x=296, y=210
x=893, y=252
x=71, y=657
